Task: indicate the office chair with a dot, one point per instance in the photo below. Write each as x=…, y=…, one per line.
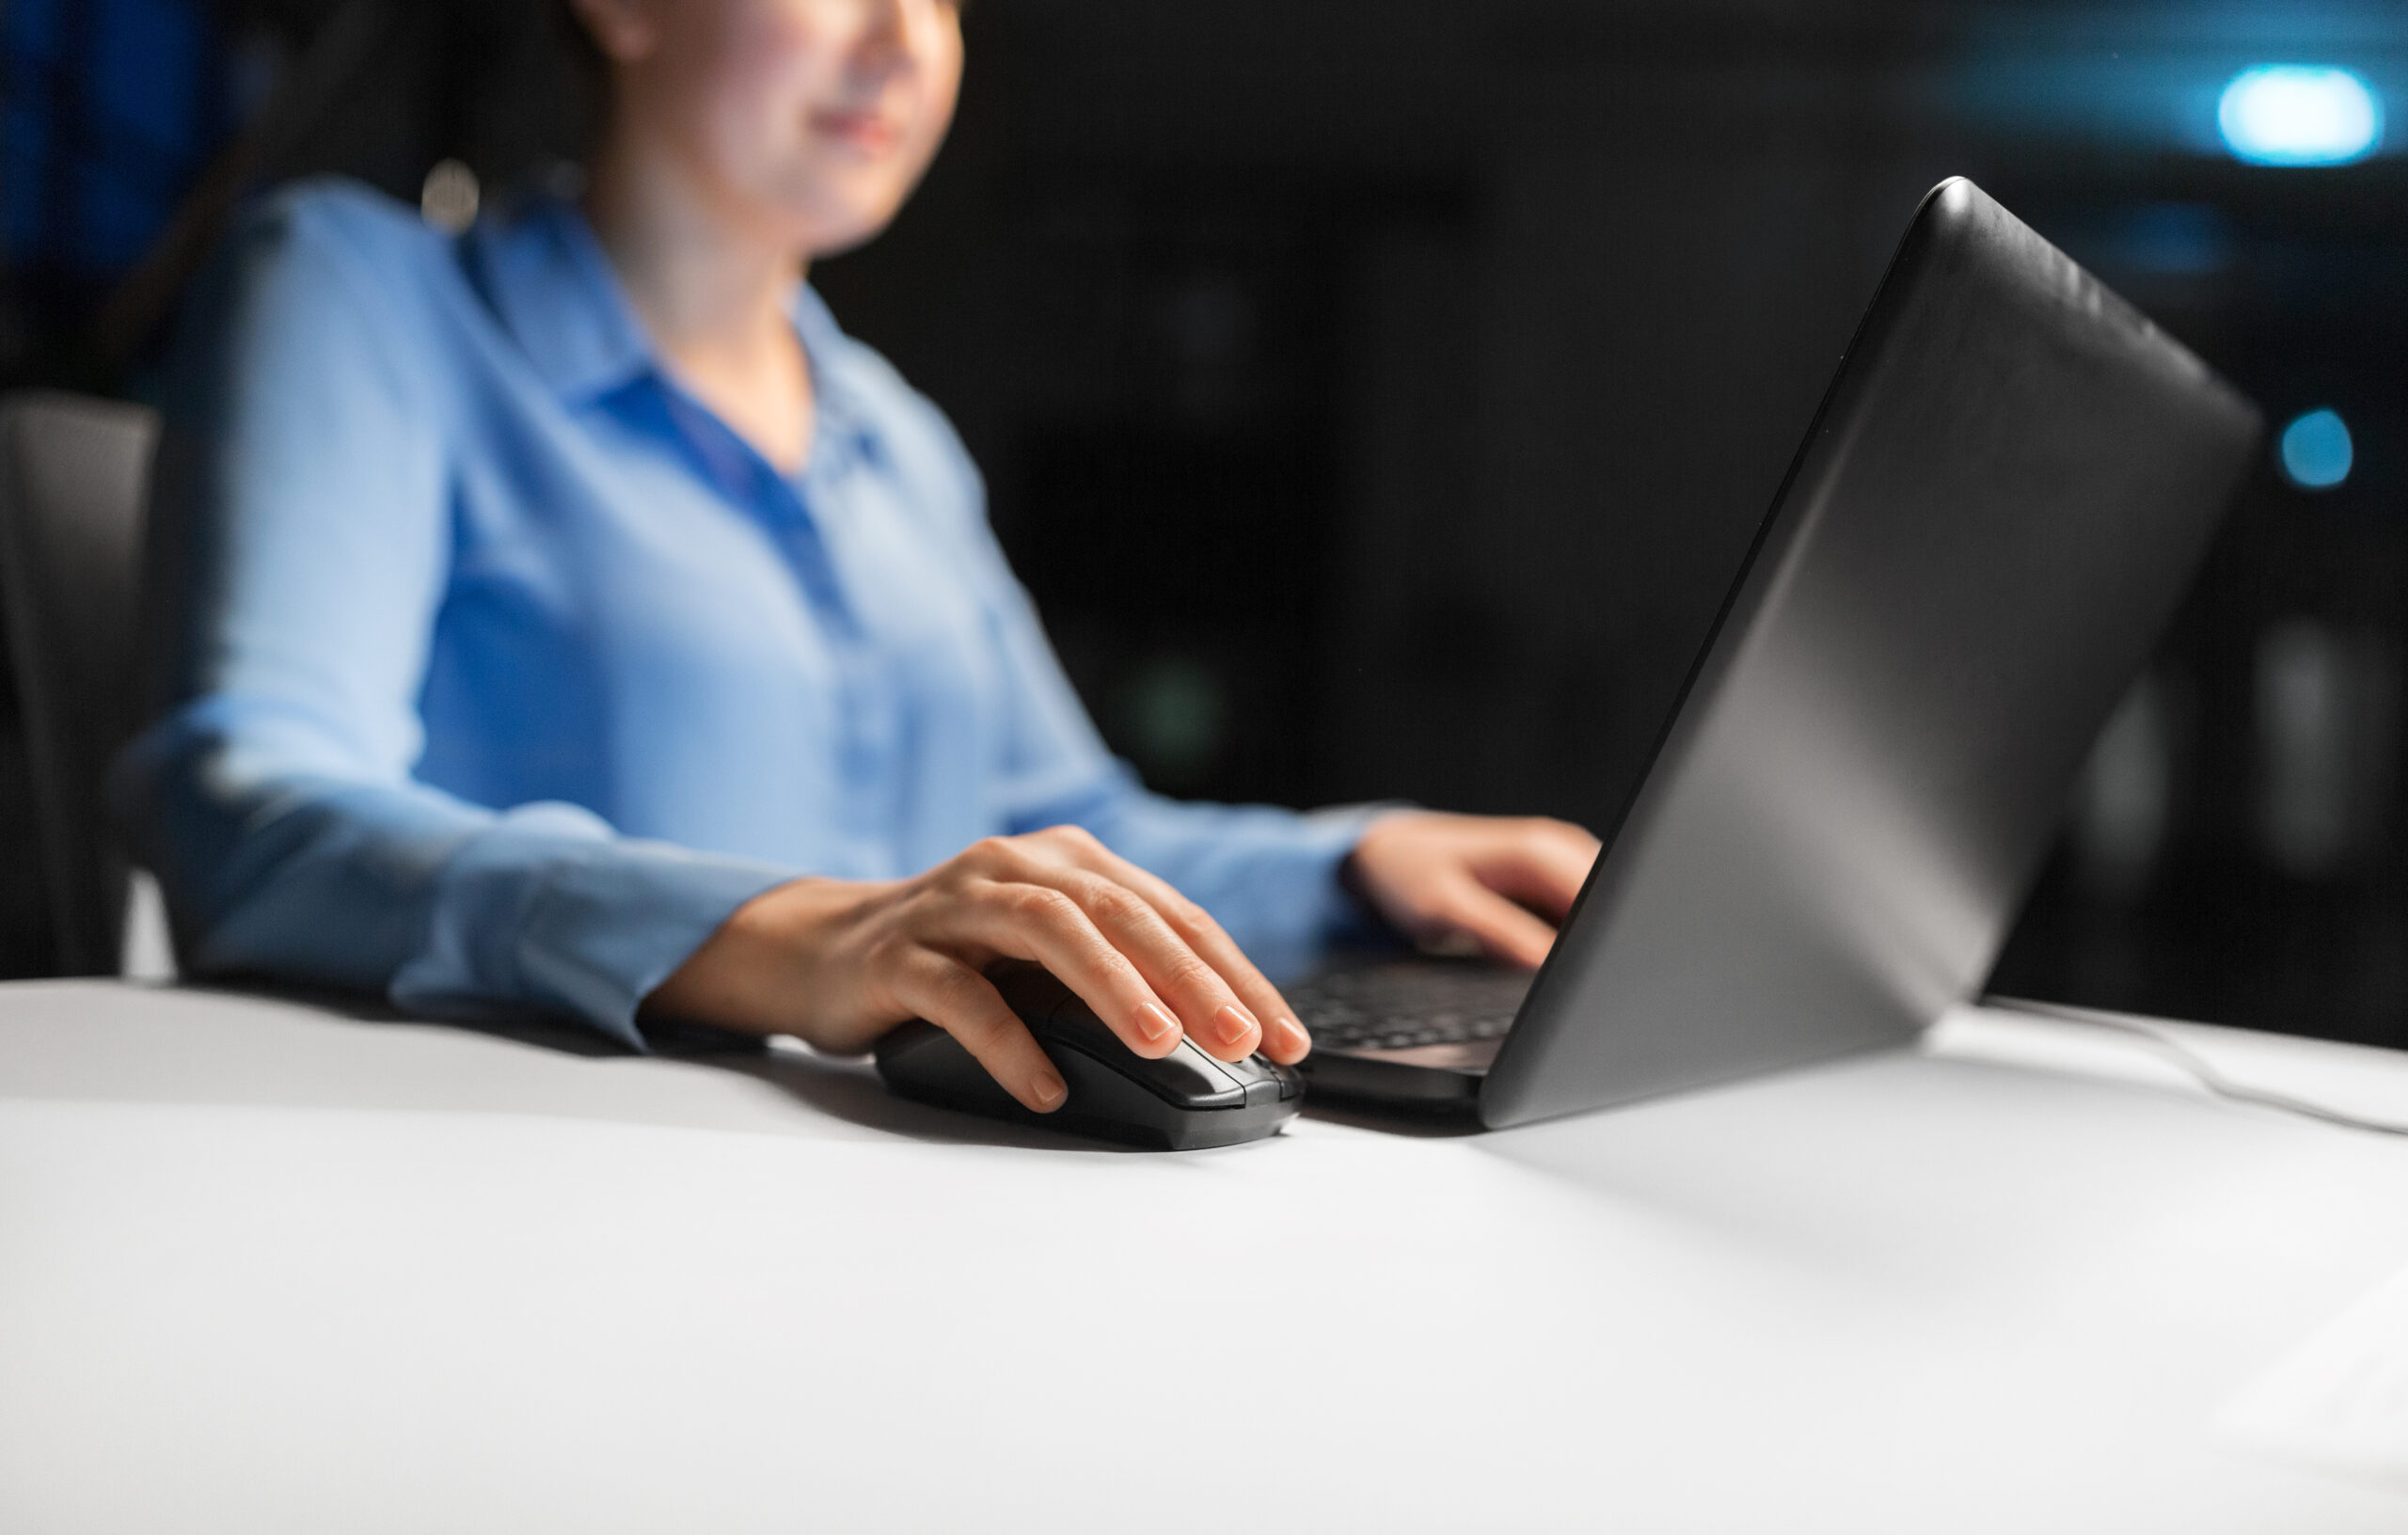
x=74, y=475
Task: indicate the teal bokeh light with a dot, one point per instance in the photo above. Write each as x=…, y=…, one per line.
x=2315, y=451
x=2300, y=115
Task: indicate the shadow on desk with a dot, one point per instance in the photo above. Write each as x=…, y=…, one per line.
x=248, y=1044
x=1393, y=1122
x=851, y=1091
x=848, y=1091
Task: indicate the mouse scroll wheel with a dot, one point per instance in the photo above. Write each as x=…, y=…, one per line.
x=1186, y=1078
x=1265, y=1084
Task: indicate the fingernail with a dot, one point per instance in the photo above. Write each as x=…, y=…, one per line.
x=1155, y=1024
x=1292, y=1033
x=1049, y=1091
x=1232, y=1023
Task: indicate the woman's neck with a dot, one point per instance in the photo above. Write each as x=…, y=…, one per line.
x=712, y=294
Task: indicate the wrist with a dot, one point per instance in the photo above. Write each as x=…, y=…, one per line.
x=753, y=972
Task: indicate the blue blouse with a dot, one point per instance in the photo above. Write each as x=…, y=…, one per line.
x=501, y=671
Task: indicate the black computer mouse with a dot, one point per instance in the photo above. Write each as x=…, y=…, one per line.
x=1182, y=1102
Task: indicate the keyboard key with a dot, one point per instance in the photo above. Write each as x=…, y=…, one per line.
x=1410, y=1002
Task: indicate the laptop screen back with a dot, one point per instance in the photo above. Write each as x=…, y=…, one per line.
x=2007, y=489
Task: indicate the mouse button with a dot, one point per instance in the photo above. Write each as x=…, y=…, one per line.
x=1077, y=1026
x=1189, y=1075
x=1259, y=1078
x=906, y=1039
x=1105, y=1104
x=1246, y=1067
x=1031, y=990
x=922, y=1061
x=1186, y=1077
x=1283, y=1082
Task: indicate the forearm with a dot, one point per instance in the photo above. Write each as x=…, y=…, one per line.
x=443, y=907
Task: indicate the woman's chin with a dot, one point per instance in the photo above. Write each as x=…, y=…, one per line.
x=828, y=214
x=851, y=239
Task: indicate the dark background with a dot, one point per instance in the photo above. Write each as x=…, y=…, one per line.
x=1377, y=394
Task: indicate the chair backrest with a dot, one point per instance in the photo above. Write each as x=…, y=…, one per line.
x=74, y=477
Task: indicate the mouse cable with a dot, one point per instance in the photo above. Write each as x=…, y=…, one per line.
x=2196, y=1066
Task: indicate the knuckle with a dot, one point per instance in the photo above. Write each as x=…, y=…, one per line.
x=1043, y=904
x=1117, y=903
x=1188, y=971
x=1079, y=884
x=947, y=878
x=1183, y=913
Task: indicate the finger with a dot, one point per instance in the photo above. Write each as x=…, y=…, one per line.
x=1278, y=1032
x=1544, y=870
x=959, y=1001
x=1041, y=922
x=1282, y=1037
x=1203, y=983
x=1507, y=931
x=1221, y=1000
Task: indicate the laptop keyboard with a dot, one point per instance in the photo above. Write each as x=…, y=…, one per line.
x=1411, y=1002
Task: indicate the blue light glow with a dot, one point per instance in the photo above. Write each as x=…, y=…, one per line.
x=2315, y=451
x=2300, y=115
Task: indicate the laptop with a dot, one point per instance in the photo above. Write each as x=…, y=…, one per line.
x=2007, y=488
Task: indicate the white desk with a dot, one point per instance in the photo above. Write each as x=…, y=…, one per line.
x=265, y=1268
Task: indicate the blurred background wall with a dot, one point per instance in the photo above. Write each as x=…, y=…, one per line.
x=1377, y=394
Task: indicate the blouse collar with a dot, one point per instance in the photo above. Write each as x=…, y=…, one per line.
x=547, y=275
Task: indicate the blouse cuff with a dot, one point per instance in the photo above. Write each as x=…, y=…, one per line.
x=1289, y=921
x=548, y=910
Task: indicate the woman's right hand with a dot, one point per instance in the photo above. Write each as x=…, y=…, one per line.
x=839, y=962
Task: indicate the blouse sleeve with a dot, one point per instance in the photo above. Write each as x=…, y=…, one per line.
x=302, y=539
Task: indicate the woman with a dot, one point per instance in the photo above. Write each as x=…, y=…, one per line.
x=574, y=618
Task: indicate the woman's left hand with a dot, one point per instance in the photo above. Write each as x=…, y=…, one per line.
x=1501, y=884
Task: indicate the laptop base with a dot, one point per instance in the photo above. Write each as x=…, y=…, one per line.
x=1411, y=1034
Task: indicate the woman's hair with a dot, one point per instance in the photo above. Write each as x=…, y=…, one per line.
x=588, y=70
